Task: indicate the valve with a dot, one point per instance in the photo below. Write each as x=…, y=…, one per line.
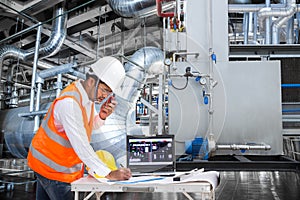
x=205, y=100
x=214, y=57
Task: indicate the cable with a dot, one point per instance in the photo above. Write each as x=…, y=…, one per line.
x=187, y=81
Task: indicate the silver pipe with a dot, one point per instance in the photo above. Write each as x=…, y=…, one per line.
x=250, y=22
x=37, y=46
x=34, y=113
x=242, y=147
x=136, y=8
x=9, y=52
x=260, y=8
x=131, y=61
x=45, y=65
x=37, y=107
x=56, y=70
x=289, y=31
x=22, y=85
x=78, y=74
x=255, y=27
x=58, y=35
x=246, y=27
x=48, y=96
x=128, y=8
x=267, y=23
x=49, y=48
x=145, y=57
x=280, y=12
x=286, y=15
x=58, y=85
x=98, y=37
x=298, y=25
x=235, y=8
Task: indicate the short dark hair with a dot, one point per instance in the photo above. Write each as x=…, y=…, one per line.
x=90, y=74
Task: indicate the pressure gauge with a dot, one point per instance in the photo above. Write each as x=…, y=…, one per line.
x=202, y=80
x=168, y=62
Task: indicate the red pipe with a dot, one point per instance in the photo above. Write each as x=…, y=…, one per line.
x=159, y=10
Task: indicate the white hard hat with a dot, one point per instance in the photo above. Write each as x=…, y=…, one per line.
x=111, y=71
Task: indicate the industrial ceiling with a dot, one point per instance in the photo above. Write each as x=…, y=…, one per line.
x=93, y=28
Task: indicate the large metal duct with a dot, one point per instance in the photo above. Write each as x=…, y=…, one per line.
x=17, y=131
x=129, y=8
x=47, y=49
x=112, y=137
x=137, y=8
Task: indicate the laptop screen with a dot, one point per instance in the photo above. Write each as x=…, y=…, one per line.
x=150, y=153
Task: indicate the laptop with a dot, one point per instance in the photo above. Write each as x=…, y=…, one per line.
x=151, y=155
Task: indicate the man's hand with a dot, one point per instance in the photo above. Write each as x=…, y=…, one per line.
x=108, y=107
x=119, y=174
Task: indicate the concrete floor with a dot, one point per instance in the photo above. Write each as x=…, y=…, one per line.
x=262, y=185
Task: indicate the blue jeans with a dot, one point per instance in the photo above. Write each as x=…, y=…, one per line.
x=52, y=190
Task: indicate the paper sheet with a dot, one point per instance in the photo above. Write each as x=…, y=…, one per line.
x=210, y=176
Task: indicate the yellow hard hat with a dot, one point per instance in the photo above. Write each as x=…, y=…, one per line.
x=108, y=159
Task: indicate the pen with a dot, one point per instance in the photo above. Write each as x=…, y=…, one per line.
x=121, y=165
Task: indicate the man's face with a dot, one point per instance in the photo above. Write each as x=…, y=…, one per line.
x=103, y=91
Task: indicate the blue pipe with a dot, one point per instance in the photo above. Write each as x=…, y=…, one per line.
x=290, y=110
x=292, y=85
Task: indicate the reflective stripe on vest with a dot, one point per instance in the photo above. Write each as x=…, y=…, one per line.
x=53, y=165
x=55, y=137
x=58, y=139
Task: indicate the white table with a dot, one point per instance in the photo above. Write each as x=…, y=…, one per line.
x=90, y=184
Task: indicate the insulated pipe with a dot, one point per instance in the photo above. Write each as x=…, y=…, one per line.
x=147, y=57
x=268, y=24
x=122, y=121
x=78, y=74
x=37, y=107
x=129, y=8
x=287, y=14
x=289, y=31
x=242, y=147
x=58, y=85
x=246, y=27
x=56, y=70
x=255, y=28
x=47, y=96
x=41, y=112
x=58, y=35
x=136, y=8
x=49, y=48
x=276, y=29
x=284, y=13
x=235, y=8
x=280, y=12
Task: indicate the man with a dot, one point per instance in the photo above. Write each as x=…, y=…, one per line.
x=62, y=143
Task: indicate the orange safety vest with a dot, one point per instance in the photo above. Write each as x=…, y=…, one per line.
x=51, y=153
